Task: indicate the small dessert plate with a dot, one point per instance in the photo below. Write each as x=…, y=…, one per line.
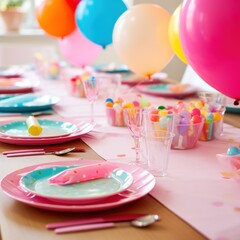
x=50, y=128
x=17, y=84
x=28, y=103
x=36, y=182
x=142, y=185
x=168, y=90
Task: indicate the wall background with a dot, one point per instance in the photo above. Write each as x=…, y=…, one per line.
x=18, y=48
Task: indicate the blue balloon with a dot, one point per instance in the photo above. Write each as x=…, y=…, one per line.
x=96, y=19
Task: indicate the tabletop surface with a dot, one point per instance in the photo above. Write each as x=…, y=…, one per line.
x=18, y=220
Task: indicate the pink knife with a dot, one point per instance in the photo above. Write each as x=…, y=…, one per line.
x=143, y=221
x=36, y=151
x=119, y=218
x=84, y=227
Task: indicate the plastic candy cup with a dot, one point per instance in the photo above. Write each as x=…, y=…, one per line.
x=186, y=135
x=229, y=166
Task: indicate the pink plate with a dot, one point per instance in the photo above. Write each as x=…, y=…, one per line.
x=17, y=85
x=164, y=90
x=143, y=183
x=83, y=129
x=141, y=82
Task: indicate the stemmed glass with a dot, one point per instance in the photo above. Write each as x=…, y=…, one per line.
x=91, y=88
x=134, y=119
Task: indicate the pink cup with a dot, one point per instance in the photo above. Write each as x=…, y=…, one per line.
x=115, y=117
x=229, y=166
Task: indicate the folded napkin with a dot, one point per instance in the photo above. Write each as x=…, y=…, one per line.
x=33, y=125
x=83, y=174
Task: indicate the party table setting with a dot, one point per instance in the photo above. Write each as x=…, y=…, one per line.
x=91, y=151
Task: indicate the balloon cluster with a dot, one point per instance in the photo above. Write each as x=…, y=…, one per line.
x=83, y=27
x=146, y=36
x=139, y=34
x=207, y=38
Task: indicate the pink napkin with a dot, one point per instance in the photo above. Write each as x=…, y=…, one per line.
x=83, y=174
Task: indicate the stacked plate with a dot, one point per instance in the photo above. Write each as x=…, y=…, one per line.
x=16, y=83
x=30, y=185
x=25, y=103
x=167, y=90
x=53, y=132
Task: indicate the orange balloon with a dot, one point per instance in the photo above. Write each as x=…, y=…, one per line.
x=56, y=18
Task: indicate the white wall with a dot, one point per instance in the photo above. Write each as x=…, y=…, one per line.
x=24, y=45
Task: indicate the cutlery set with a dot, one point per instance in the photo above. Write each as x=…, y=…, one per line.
x=41, y=151
x=136, y=219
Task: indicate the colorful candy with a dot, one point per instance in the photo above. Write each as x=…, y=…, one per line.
x=114, y=109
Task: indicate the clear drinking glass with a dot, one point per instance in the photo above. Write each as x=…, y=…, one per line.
x=159, y=147
x=91, y=89
x=109, y=85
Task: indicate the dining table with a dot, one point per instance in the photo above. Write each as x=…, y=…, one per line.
x=193, y=201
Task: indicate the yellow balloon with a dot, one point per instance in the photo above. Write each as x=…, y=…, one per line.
x=140, y=39
x=174, y=37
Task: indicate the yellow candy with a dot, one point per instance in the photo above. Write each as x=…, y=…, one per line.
x=118, y=101
x=217, y=116
x=203, y=112
x=34, y=127
x=199, y=104
x=128, y=105
x=163, y=112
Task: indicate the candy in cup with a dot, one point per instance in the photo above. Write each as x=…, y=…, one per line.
x=187, y=129
x=214, y=107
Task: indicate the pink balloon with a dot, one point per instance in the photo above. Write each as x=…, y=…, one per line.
x=78, y=50
x=210, y=37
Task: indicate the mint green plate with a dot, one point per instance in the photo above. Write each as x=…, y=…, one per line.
x=36, y=182
x=50, y=128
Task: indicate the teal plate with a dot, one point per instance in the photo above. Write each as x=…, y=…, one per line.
x=232, y=109
x=27, y=103
x=111, y=68
x=36, y=182
x=50, y=128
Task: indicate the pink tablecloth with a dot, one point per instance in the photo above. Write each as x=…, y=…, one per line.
x=194, y=189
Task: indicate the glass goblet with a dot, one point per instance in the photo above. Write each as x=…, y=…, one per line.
x=91, y=88
x=134, y=119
